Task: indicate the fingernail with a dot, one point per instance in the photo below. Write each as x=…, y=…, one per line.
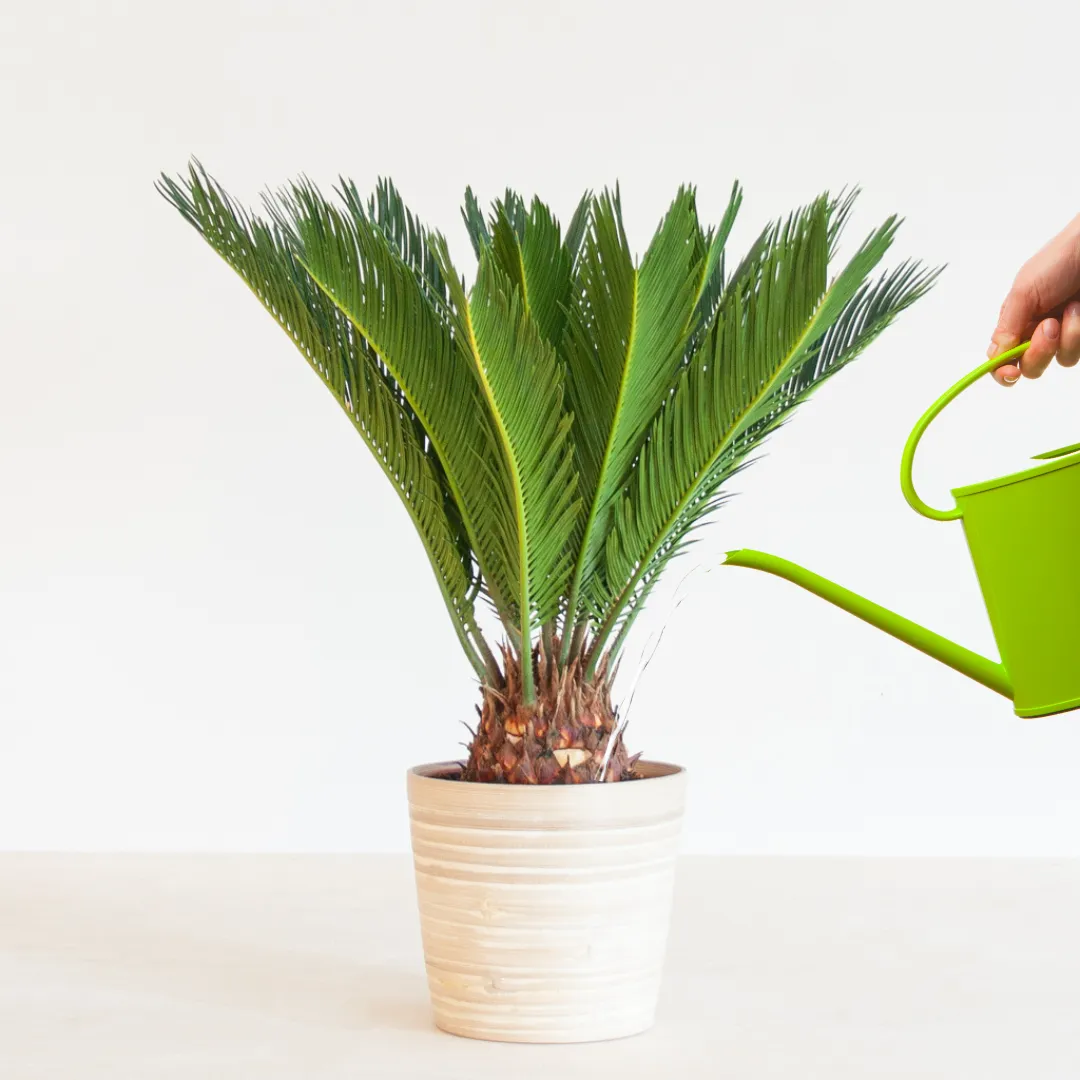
x=992, y=351
x=1051, y=329
x=1073, y=310
x=1008, y=380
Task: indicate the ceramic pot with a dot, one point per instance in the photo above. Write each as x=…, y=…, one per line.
x=544, y=910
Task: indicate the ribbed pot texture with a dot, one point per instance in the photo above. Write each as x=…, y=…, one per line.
x=544, y=910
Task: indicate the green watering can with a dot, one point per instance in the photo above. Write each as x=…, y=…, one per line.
x=1033, y=603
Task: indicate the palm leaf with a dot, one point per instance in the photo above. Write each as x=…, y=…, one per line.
x=627, y=333
x=351, y=261
x=475, y=225
x=766, y=337
x=528, y=249
x=576, y=229
x=714, y=280
x=264, y=260
x=866, y=315
x=522, y=383
x=402, y=229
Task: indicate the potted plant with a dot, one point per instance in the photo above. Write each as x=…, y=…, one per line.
x=556, y=432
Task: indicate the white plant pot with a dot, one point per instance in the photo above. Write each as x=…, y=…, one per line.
x=544, y=910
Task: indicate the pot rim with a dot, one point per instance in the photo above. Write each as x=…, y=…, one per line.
x=438, y=771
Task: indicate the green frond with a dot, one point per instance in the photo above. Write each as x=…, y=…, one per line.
x=770, y=344
x=869, y=312
x=744, y=277
x=262, y=258
x=403, y=230
x=840, y=208
x=576, y=229
x=866, y=315
x=597, y=323
x=713, y=280
x=475, y=225
x=520, y=377
x=351, y=261
x=531, y=254
x=512, y=205
x=627, y=333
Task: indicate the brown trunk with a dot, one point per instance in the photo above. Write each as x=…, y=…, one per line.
x=559, y=739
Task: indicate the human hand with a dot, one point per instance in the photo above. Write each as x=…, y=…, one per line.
x=1043, y=305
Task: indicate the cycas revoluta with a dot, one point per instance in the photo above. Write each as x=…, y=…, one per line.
x=557, y=431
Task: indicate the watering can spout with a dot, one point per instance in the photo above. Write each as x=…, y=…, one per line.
x=979, y=668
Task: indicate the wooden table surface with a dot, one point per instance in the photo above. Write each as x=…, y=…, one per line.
x=245, y=967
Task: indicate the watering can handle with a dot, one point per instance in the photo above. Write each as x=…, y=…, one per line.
x=908, y=458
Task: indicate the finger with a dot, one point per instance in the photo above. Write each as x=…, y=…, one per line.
x=1069, y=345
x=1044, y=343
x=1019, y=314
x=1007, y=374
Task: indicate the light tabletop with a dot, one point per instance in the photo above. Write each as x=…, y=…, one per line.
x=246, y=967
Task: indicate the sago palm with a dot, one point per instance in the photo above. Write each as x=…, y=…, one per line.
x=558, y=430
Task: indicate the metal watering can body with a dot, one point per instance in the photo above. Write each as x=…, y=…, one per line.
x=1033, y=601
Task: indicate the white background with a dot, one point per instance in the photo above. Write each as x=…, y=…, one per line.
x=217, y=630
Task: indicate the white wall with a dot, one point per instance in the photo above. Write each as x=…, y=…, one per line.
x=216, y=629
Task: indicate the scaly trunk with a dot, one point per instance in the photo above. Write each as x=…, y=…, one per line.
x=560, y=739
